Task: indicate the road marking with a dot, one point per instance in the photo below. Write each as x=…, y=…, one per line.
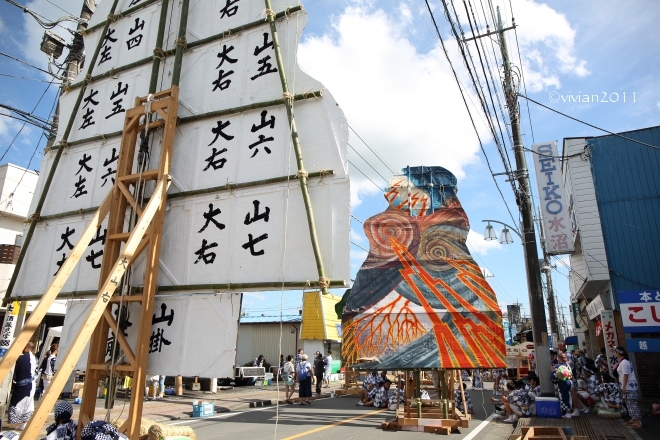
x=334, y=424
x=479, y=427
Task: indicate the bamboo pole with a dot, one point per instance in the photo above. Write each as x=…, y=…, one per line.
x=159, y=46
x=211, y=39
x=128, y=11
x=201, y=287
x=323, y=281
x=213, y=114
x=180, y=43
x=56, y=161
x=228, y=187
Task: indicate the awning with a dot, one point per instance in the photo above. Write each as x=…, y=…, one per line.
x=572, y=340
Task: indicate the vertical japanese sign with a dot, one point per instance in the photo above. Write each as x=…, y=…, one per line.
x=8, y=327
x=610, y=335
x=552, y=198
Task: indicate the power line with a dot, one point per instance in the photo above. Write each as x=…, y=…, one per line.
x=590, y=125
x=21, y=129
x=483, y=150
x=355, y=218
x=365, y=143
x=25, y=62
x=357, y=245
x=24, y=77
x=371, y=166
x=360, y=171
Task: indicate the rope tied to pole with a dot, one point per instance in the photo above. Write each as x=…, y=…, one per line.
x=301, y=174
x=324, y=282
x=288, y=96
x=270, y=14
x=88, y=79
x=114, y=17
x=182, y=42
x=159, y=53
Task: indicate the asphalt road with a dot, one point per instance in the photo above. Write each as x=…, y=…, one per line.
x=331, y=418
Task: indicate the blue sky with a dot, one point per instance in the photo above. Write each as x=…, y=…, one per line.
x=383, y=65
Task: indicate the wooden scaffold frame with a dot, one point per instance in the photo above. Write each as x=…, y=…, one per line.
x=121, y=250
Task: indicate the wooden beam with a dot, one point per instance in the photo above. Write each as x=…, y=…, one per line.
x=147, y=175
x=80, y=340
x=119, y=334
x=128, y=196
x=39, y=312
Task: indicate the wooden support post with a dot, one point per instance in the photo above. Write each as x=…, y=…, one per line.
x=84, y=333
x=39, y=312
x=178, y=385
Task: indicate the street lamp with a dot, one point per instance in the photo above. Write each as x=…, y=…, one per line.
x=489, y=234
x=506, y=237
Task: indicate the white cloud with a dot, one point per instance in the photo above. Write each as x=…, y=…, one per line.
x=477, y=243
x=3, y=26
x=405, y=103
x=547, y=43
x=358, y=255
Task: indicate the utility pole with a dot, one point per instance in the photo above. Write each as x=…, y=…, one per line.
x=537, y=309
x=547, y=270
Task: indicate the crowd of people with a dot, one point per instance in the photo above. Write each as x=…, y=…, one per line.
x=581, y=385
x=300, y=370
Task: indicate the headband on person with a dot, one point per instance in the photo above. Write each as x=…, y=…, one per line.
x=620, y=350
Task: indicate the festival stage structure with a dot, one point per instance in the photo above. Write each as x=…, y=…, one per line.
x=419, y=302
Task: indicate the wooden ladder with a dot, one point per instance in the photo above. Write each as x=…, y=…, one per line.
x=162, y=108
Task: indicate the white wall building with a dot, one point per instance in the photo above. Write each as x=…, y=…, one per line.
x=589, y=276
x=17, y=187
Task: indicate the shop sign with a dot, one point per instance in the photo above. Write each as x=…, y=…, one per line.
x=609, y=333
x=640, y=311
x=643, y=345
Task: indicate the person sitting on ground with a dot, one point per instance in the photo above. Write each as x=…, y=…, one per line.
x=381, y=378
x=64, y=428
x=392, y=395
x=511, y=398
x=381, y=396
x=609, y=393
x=258, y=361
x=458, y=400
x=588, y=394
x=601, y=362
x=533, y=390
x=101, y=430
x=499, y=401
x=369, y=387
x=368, y=395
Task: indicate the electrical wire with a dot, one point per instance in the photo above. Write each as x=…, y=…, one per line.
x=24, y=123
x=25, y=62
x=26, y=78
x=360, y=171
x=371, y=166
x=357, y=245
x=40, y=18
x=483, y=150
x=367, y=145
x=588, y=124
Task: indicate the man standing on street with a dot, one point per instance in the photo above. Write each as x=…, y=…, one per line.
x=21, y=405
x=319, y=369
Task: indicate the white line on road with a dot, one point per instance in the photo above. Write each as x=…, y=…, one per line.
x=478, y=429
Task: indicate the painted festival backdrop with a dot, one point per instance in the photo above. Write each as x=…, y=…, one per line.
x=420, y=300
x=236, y=213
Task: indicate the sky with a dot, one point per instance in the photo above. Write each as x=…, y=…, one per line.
x=382, y=62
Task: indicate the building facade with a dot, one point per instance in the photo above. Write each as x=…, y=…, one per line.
x=613, y=186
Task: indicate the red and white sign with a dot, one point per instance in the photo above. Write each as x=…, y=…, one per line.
x=609, y=333
x=640, y=314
